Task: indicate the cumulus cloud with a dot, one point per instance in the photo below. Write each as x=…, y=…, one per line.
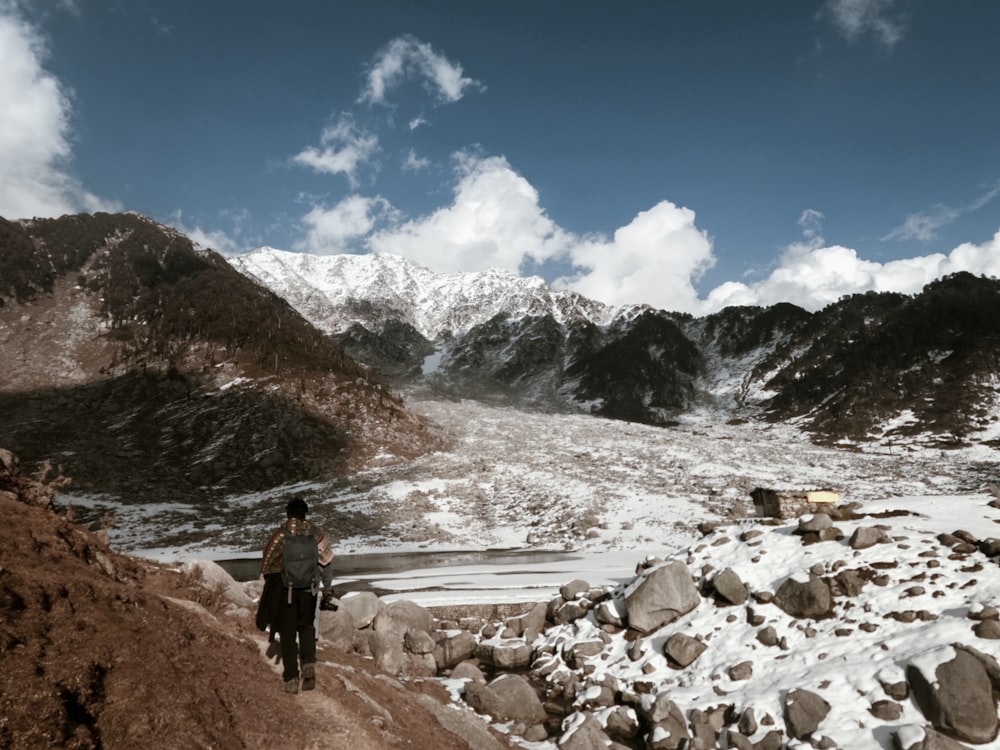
x=344, y=147
x=495, y=220
x=407, y=57
x=813, y=275
x=857, y=18
x=656, y=259
x=336, y=229
x=35, y=112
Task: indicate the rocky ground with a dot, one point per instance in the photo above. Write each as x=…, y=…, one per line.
x=100, y=650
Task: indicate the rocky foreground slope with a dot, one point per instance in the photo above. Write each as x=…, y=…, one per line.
x=870, y=627
x=100, y=650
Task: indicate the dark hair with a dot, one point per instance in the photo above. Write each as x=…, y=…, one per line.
x=297, y=508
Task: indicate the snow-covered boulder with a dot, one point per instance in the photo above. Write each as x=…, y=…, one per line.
x=661, y=596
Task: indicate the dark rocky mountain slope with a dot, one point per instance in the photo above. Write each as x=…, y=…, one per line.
x=146, y=365
x=869, y=367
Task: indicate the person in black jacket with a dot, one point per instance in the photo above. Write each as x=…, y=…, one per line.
x=292, y=612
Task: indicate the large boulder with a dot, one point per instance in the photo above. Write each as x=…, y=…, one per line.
x=403, y=615
x=507, y=698
x=811, y=598
x=804, y=711
x=955, y=694
x=661, y=596
x=533, y=619
x=213, y=577
x=454, y=649
x=681, y=649
x=729, y=587
x=363, y=607
x=337, y=628
x=668, y=728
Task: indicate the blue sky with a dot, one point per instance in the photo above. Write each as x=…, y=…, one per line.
x=688, y=155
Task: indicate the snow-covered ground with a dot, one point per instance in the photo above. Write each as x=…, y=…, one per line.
x=605, y=493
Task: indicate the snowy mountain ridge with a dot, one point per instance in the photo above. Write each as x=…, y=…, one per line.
x=876, y=366
x=336, y=291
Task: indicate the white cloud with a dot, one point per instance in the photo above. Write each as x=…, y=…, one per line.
x=414, y=163
x=813, y=277
x=856, y=18
x=656, y=259
x=344, y=147
x=335, y=230
x=35, y=147
x=408, y=57
x=923, y=226
x=494, y=221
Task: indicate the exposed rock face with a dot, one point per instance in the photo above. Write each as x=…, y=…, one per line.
x=957, y=698
x=661, y=596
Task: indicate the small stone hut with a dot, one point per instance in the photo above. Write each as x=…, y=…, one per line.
x=792, y=503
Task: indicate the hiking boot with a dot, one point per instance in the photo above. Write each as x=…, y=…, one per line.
x=308, y=676
x=292, y=685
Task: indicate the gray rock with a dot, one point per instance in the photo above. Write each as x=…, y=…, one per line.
x=454, y=649
x=661, y=596
x=584, y=732
x=987, y=629
x=669, y=730
x=533, y=619
x=337, y=628
x=570, y=612
x=729, y=587
x=418, y=642
x=403, y=615
x=805, y=599
x=770, y=741
x=506, y=655
x=815, y=523
x=577, y=652
x=213, y=577
x=468, y=671
x=622, y=723
x=681, y=649
x=507, y=698
x=804, y=711
x=768, y=636
x=932, y=740
x=957, y=699
x=886, y=710
x=574, y=589
x=741, y=671
x=868, y=536
x=738, y=741
x=610, y=612
x=363, y=606
x=461, y=723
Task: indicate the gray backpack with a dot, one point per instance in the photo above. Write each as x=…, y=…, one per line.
x=301, y=561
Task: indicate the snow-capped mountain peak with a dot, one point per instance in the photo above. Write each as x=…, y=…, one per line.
x=336, y=291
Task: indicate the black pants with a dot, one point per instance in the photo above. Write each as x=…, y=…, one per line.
x=297, y=622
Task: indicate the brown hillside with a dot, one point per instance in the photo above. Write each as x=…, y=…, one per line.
x=98, y=650
x=147, y=366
